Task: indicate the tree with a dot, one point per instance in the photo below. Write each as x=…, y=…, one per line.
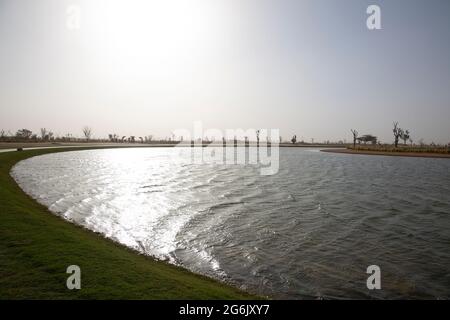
x=355, y=136
x=257, y=136
x=398, y=132
x=43, y=134
x=294, y=139
x=2, y=134
x=113, y=137
x=368, y=138
x=87, y=131
x=405, y=136
x=47, y=135
x=24, y=133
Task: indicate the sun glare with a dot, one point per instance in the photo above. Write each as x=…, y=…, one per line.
x=130, y=37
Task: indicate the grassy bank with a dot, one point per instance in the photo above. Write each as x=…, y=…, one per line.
x=403, y=149
x=392, y=152
x=36, y=247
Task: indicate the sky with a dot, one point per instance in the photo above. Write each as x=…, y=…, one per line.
x=310, y=68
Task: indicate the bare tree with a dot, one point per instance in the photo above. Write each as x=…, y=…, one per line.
x=43, y=134
x=2, y=134
x=24, y=133
x=355, y=136
x=87, y=131
x=294, y=139
x=405, y=136
x=397, y=133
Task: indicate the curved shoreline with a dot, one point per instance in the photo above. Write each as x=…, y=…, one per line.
x=36, y=247
x=386, y=153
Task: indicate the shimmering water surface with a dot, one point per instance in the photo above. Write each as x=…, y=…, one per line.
x=309, y=231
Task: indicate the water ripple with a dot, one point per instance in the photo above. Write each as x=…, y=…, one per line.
x=309, y=231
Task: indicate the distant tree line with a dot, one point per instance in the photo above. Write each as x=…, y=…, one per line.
x=399, y=134
x=46, y=135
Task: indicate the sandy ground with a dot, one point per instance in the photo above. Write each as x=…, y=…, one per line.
x=396, y=154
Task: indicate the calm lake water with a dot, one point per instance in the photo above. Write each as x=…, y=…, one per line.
x=309, y=231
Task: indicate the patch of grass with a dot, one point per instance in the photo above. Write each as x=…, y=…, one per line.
x=36, y=247
x=411, y=149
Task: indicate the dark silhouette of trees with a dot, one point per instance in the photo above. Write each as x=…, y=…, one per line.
x=113, y=137
x=355, y=136
x=24, y=134
x=405, y=136
x=294, y=139
x=368, y=138
x=397, y=133
x=87, y=131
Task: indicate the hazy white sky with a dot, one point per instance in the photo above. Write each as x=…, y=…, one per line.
x=310, y=68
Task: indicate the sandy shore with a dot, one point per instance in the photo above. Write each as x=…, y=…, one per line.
x=386, y=153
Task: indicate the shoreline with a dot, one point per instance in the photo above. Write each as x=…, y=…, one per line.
x=389, y=153
x=37, y=246
x=12, y=146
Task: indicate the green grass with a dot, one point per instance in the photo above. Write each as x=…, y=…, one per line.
x=36, y=247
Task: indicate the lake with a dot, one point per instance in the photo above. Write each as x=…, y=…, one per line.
x=309, y=231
